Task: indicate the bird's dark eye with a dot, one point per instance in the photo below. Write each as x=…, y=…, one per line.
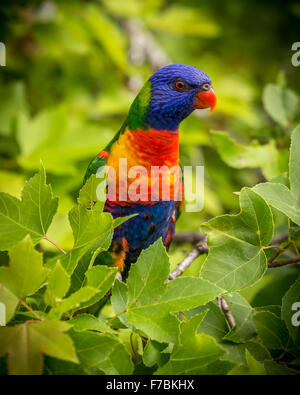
x=180, y=85
x=205, y=87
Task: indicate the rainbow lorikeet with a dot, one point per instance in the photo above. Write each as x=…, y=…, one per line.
x=149, y=137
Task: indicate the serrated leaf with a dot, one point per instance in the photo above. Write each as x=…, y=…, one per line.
x=32, y=215
x=253, y=367
x=276, y=369
x=100, y=278
x=102, y=351
x=25, y=344
x=258, y=350
x=235, y=353
x=218, y=368
x=119, y=221
x=74, y=301
x=271, y=330
x=132, y=342
x=236, y=258
x=151, y=301
x=119, y=301
x=58, y=284
x=241, y=310
x=214, y=322
x=84, y=322
x=290, y=311
x=92, y=229
x=25, y=273
x=194, y=351
x=153, y=354
x=88, y=194
x=278, y=195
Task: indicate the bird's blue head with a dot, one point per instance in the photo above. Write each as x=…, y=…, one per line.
x=177, y=90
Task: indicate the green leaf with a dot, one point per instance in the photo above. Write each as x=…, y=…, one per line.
x=132, y=342
x=241, y=310
x=280, y=103
x=119, y=221
x=277, y=369
x=235, y=353
x=242, y=156
x=278, y=195
x=253, y=367
x=102, y=351
x=88, y=194
x=258, y=350
x=32, y=215
x=10, y=302
x=57, y=367
x=26, y=273
x=119, y=301
x=214, y=322
x=245, y=234
x=58, y=284
x=74, y=301
x=218, y=368
x=271, y=330
x=194, y=351
x=84, y=322
x=24, y=345
x=153, y=354
x=92, y=229
x=100, y=278
x=151, y=301
x=290, y=312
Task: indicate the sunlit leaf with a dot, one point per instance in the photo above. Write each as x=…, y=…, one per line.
x=32, y=215
x=25, y=345
x=236, y=258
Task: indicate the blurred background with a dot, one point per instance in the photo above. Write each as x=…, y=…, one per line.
x=73, y=68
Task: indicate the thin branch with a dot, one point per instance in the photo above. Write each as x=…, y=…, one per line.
x=188, y=237
x=143, y=47
x=55, y=245
x=224, y=307
x=284, y=262
x=30, y=309
x=199, y=249
x=278, y=239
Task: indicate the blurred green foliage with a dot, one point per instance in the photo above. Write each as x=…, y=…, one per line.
x=73, y=69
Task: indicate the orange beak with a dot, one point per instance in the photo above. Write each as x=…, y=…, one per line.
x=205, y=99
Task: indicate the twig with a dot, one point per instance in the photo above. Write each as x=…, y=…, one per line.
x=143, y=46
x=57, y=246
x=284, y=262
x=224, y=307
x=188, y=237
x=30, y=309
x=199, y=249
x=278, y=239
